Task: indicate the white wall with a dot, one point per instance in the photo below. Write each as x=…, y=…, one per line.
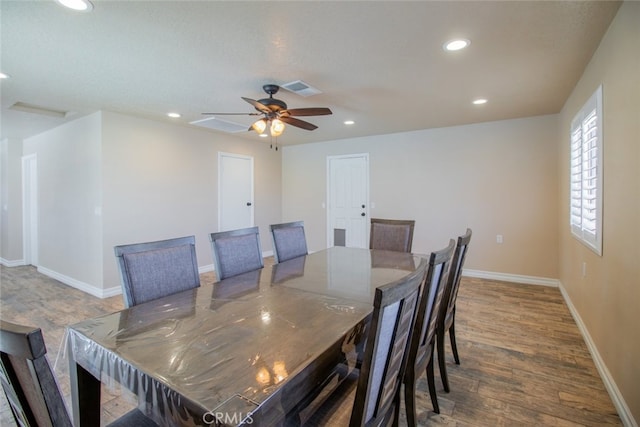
x=497, y=178
x=605, y=301
x=69, y=190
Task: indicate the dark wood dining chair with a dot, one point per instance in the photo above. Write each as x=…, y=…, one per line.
x=446, y=322
x=423, y=340
x=236, y=251
x=391, y=234
x=372, y=398
x=30, y=385
x=153, y=270
x=289, y=241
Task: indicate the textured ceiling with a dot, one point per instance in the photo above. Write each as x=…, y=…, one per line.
x=378, y=63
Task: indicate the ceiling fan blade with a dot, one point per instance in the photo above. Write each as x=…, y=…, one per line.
x=298, y=123
x=317, y=111
x=232, y=114
x=257, y=105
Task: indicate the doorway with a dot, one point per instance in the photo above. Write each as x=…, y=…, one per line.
x=235, y=191
x=30, y=209
x=348, y=199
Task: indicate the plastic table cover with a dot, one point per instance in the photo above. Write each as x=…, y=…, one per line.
x=252, y=349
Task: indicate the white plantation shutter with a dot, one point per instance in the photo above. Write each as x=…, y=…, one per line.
x=586, y=173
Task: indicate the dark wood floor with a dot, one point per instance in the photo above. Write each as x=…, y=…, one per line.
x=523, y=360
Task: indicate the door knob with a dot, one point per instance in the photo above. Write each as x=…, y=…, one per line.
x=248, y=203
x=363, y=214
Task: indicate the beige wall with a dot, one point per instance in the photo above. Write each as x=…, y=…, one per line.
x=109, y=179
x=11, y=201
x=69, y=190
x=161, y=181
x=607, y=299
x=497, y=178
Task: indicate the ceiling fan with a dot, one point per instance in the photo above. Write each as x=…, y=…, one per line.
x=275, y=113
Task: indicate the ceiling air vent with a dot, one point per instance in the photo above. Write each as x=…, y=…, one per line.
x=301, y=88
x=36, y=109
x=219, y=124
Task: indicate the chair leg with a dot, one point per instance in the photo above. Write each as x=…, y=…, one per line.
x=441, y=360
x=452, y=337
x=432, y=386
x=410, y=401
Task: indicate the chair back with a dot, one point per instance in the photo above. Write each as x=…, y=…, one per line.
x=391, y=234
x=156, y=269
x=378, y=391
x=453, y=282
x=288, y=241
x=27, y=379
x=424, y=332
x=236, y=251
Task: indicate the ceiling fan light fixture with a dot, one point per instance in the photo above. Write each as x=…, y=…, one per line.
x=277, y=127
x=259, y=126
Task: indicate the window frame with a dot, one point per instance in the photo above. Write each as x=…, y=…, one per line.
x=585, y=160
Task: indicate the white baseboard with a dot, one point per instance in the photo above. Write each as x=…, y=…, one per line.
x=618, y=400
x=84, y=287
x=12, y=263
x=516, y=278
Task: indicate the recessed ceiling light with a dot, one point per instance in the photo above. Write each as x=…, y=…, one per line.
x=174, y=115
x=479, y=101
x=4, y=76
x=457, y=44
x=349, y=122
x=79, y=5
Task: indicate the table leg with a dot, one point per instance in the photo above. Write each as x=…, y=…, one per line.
x=85, y=395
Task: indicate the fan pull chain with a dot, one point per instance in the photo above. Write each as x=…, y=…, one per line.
x=271, y=146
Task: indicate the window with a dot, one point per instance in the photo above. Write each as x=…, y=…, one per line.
x=586, y=173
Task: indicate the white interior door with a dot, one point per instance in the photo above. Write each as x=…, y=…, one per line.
x=30, y=209
x=235, y=191
x=348, y=208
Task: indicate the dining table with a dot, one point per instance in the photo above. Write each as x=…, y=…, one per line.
x=255, y=349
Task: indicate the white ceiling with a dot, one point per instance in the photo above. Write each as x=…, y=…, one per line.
x=379, y=63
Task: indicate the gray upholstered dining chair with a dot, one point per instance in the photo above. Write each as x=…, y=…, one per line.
x=236, y=251
x=446, y=322
x=372, y=398
x=391, y=234
x=289, y=241
x=156, y=269
x=30, y=384
x=423, y=340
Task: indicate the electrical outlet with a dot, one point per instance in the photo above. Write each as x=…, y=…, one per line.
x=499, y=238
